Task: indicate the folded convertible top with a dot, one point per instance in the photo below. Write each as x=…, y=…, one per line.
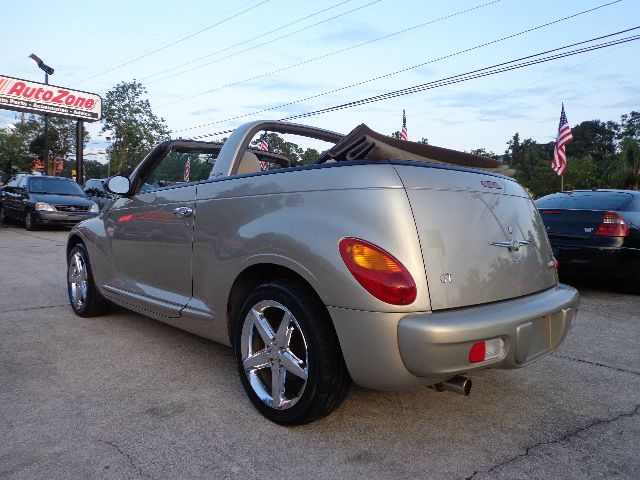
x=363, y=143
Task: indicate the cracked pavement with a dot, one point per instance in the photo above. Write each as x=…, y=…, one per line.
x=123, y=397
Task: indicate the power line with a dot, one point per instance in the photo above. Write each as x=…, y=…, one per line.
x=483, y=72
x=171, y=44
x=326, y=55
x=282, y=27
x=267, y=42
x=471, y=75
x=386, y=75
x=500, y=97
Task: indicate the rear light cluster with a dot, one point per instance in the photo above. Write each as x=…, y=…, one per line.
x=379, y=272
x=486, y=350
x=613, y=225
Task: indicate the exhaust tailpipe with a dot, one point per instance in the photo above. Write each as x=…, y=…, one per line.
x=458, y=384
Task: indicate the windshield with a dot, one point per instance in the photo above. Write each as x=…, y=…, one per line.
x=55, y=186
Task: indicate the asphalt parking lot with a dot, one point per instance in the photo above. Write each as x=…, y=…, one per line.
x=123, y=396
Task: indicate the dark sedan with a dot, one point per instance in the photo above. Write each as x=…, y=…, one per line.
x=41, y=200
x=595, y=231
x=94, y=188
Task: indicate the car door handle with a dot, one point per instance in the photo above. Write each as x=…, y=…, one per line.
x=183, y=211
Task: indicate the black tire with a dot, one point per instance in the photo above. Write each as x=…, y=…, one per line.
x=3, y=216
x=30, y=223
x=327, y=379
x=92, y=303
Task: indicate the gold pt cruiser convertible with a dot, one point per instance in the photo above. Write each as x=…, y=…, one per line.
x=387, y=263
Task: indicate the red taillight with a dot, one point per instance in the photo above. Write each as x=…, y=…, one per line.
x=476, y=354
x=379, y=272
x=486, y=350
x=555, y=264
x=613, y=225
x=551, y=212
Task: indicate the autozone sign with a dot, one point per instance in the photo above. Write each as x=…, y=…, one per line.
x=33, y=97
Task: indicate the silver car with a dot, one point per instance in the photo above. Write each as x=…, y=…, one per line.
x=386, y=262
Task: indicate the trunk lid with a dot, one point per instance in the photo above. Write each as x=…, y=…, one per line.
x=482, y=238
x=571, y=223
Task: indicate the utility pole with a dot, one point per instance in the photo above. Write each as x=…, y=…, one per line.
x=46, y=133
x=79, y=151
x=109, y=159
x=47, y=71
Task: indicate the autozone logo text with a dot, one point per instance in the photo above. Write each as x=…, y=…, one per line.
x=43, y=99
x=53, y=95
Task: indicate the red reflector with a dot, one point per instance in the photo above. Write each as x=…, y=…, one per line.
x=613, y=225
x=477, y=352
x=551, y=212
x=379, y=272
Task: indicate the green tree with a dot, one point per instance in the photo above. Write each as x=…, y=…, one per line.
x=279, y=145
x=581, y=173
x=135, y=128
x=532, y=162
x=485, y=153
x=594, y=138
x=14, y=152
x=92, y=168
x=62, y=136
x=309, y=156
x=397, y=135
x=629, y=126
x=628, y=171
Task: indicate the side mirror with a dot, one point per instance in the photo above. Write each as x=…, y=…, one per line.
x=118, y=185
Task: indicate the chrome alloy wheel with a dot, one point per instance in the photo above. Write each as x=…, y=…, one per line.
x=274, y=354
x=77, y=278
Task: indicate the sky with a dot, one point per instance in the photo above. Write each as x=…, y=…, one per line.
x=292, y=57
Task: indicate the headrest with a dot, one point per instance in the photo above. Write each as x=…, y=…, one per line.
x=249, y=164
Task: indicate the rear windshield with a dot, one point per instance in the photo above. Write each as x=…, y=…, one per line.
x=586, y=201
x=56, y=186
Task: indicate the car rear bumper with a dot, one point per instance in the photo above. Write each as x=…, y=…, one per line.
x=61, y=218
x=392, y=351
x=607, y=260
x=438, y=344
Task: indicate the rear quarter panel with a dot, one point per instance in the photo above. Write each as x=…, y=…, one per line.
x=296, y=219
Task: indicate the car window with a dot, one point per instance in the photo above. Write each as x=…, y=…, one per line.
x=586, y=201
x=56, y=186
x=94, y=186
x=13, y=182
x=177, y=168
x=22, y=182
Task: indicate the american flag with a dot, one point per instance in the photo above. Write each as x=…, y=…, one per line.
x=264, y=146
x=403, y=133
x=559, y=164
x=187, y=170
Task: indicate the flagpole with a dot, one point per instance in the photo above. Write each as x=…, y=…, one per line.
x=559, y=163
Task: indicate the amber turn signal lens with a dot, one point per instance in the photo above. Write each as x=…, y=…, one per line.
x=379, y=272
